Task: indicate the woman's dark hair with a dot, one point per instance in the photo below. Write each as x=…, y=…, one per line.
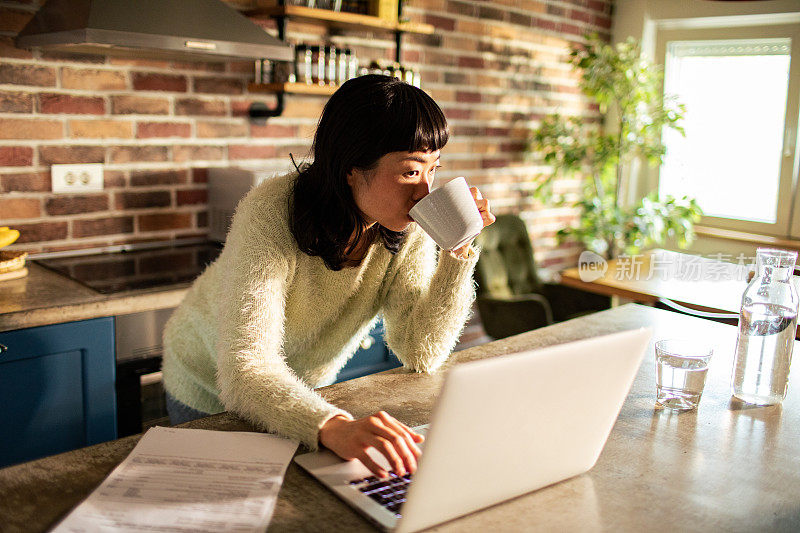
x=365, y=119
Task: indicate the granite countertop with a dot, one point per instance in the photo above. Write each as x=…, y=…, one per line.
x=659, y=471
x=45, y=297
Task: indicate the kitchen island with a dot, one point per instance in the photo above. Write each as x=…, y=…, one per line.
x=725, y=466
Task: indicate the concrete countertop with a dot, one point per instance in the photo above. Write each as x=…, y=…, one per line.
x=722, y=467
x=44, y=297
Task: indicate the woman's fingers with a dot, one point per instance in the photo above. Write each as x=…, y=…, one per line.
x=373, y=467
x=414, y=435
x=398, y=442
x=483, y=207
x=389, y=451
x=403, y=431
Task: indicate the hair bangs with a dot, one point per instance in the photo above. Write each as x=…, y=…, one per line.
x=419, y=123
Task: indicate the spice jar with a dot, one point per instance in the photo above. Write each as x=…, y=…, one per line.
x=343, y=60
x=330, y=53
x=302, y=64
x=352, y=65
x=321, y=64
x=314, y=63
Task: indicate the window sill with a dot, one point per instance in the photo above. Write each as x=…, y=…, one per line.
x=743, y=236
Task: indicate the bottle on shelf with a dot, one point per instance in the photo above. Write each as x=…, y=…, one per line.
x=302, y=64
x=342, y=61
x=263, y=70
x=282, y=72
x=408, y=76
x=330, y=70
x=314, y=64
x=352, y=65
x=321, y=65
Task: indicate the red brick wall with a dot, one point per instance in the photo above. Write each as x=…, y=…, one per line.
x=494, y=66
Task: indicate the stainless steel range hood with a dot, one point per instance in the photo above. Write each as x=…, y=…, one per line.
x=207, y=30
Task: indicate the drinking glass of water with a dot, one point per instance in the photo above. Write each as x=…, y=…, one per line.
x=681, y=368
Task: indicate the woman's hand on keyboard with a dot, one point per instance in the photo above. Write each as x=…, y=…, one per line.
x=350, y=439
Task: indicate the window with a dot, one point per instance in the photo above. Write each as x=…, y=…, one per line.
x=741, y=92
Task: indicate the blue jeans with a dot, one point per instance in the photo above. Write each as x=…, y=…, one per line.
x=179, y=412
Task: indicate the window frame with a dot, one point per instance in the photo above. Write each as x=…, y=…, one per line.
x=788, y=220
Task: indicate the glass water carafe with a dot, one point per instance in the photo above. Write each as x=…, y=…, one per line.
x=767, y=325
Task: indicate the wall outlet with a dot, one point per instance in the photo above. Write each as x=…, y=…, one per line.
x=77, y=178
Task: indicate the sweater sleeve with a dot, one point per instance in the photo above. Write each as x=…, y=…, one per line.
x=252, y=375
x=428, y=303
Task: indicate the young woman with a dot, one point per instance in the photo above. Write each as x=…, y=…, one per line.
x=311, y=259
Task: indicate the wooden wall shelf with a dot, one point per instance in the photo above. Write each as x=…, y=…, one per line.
x=292, y=88
x=332, y=19
x=342, y=19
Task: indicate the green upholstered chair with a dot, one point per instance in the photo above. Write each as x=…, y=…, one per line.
x=511, y=298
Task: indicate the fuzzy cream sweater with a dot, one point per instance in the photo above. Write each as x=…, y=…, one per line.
x=265, y=324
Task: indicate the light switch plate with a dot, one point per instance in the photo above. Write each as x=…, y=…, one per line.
x=77, y=178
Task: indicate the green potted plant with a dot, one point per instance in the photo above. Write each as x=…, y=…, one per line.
x=627, y=89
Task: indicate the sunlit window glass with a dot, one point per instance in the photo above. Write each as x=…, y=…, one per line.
x=735, y=95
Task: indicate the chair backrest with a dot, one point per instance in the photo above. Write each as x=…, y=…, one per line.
x=506, y=266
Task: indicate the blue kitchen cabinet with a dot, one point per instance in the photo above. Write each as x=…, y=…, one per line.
x=56, y=389
x=373, y=356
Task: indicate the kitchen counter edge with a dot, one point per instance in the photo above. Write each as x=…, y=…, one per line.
x=45, y=297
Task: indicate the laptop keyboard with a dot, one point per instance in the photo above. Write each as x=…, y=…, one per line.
x=391, y=492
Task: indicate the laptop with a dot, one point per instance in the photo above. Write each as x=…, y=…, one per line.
x=524, y=421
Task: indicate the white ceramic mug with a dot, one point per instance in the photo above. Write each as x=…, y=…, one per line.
x=449, y=215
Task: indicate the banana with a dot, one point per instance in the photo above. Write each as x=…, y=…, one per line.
x=7, y=236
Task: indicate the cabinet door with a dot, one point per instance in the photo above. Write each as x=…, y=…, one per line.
x=56, y=389
x=374, y=356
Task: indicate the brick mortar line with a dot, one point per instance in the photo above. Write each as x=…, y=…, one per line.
x=497, y=74
x=194, y=141
x=531, y=46
x=492, y=91
x=549, y=109
x=457, y=69
x=505, y=171
x=79, y=142
x=443, y=86
x=154, y=166
x=108, y=213
x=508, y=9
x=507, y=108
x=411, y=9
x=562, y=3
x=514, y=59
x=504, y=9
x=485, y=56
x=530, y=124
x=482, y=54
x=482, y=72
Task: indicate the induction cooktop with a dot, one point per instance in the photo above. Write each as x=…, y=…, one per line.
x=130, y=270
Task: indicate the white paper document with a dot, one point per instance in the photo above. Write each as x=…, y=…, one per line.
x=189, y=480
